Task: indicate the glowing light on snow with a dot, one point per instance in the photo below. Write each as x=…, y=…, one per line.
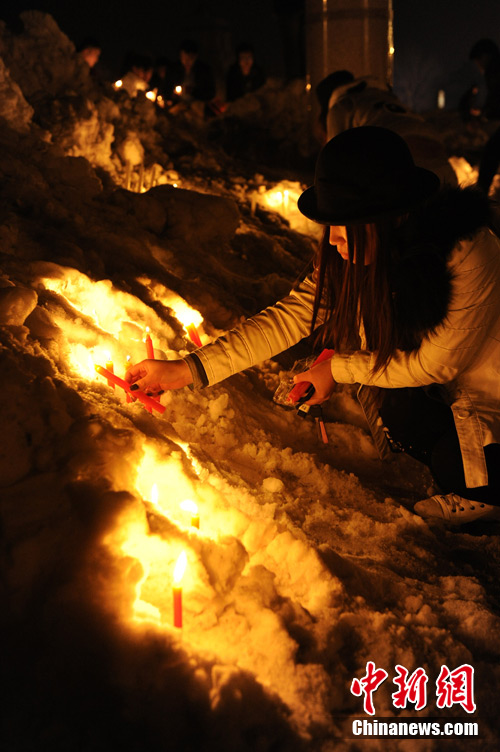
x=154, y=494
x=188, y=505
x=178, y=90
x=189, y=317
x=118, y=84
x=151, y=95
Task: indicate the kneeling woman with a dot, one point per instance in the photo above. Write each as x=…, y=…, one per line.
x=406, y=289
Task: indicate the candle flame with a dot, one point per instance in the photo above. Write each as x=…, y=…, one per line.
x=118, y=84
x=151, y=96
x=180, y=567
x=178, y=89
x=189, y=506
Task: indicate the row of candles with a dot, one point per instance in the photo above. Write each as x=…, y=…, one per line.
x=152, y=94
x=150, y=403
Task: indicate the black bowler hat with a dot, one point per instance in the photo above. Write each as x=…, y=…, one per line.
x=365, y=174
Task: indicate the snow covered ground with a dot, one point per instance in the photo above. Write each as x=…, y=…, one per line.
x=308, y=561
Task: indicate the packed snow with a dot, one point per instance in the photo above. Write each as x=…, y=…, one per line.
x=308, y=561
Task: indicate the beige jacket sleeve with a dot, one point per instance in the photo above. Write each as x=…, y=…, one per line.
x=458, y=343
x=266, y=334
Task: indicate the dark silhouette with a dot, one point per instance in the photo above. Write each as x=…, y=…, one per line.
x=244, y=75
x=193, y=75
x=486, y=55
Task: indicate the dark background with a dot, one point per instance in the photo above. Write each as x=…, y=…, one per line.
x=432, y=37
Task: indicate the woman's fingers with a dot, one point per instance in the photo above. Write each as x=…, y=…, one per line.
x=321, y=378
x=158, y=375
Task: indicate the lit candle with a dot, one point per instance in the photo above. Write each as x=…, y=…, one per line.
x=149, y=345
x=118, y=84
x=110, y=368
x=193, y=334
x=179, y=570
x=149, y=402
x=190, y=506
x=178, y=90
x=151, y=95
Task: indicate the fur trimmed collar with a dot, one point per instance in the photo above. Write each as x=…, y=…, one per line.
x=420, y=279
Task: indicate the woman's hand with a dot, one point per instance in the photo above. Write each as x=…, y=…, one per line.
x=321, y=378
x=155, y=376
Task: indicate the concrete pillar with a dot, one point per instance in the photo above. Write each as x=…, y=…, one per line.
x=355, y=35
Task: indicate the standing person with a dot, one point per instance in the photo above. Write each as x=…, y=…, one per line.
x=245, y=75
x=406, y=289
x=348, y=102
x=486, y=55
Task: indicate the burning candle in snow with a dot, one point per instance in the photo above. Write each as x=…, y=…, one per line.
x=178, y=90
x=149, y=345
x=193, y=334
x=109, y=367
x=179, y=570
x=151, y=95
x=118, y=84
x=190, y=506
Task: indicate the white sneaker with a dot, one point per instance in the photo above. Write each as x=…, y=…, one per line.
x=456, y=510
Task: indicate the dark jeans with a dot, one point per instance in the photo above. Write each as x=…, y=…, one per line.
x=421, y=424
x=490, y=159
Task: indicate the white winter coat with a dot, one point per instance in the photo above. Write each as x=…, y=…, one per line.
x=463, y=353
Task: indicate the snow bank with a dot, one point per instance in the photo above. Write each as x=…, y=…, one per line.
x=308, y=561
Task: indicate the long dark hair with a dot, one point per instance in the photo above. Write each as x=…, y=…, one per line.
x=352, y=295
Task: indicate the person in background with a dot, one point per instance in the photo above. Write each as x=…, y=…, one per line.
x=486, y=55
x=245, y=75
x=193, y=75
x=138, y=76
x=405, y=289
x=350, y=103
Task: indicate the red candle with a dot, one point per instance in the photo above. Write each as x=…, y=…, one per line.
x=179, y=570
x=149, y=402
x=193, y=335
x=301, y=388
x=150, y=353
x=129, y=398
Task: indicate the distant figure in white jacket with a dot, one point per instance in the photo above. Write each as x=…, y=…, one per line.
x=347, y=102
x=406, y=290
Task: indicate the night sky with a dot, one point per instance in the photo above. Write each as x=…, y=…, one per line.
x=432, y=37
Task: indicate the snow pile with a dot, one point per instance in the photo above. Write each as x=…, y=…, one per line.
x=308, y=561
